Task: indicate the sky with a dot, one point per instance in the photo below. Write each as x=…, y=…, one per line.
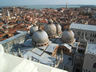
x=46, y=2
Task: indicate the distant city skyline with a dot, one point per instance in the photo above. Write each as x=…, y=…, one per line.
x=46, y=2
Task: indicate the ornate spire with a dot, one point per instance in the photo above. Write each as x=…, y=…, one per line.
x=50, y=21
x=84, y=37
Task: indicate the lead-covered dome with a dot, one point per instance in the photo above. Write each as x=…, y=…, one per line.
x=50, y=29
x=33, y=29
x=68, y=36
x=40, y=38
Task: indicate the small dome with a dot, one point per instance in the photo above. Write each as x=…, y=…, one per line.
x=68, y=36
x=33, y=29
x=50, y=29
x=58, y=28
x=40, y=38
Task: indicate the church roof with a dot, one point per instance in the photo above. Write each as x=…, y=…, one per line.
x=83, y=27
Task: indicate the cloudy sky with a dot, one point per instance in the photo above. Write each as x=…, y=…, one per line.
x=44, y=2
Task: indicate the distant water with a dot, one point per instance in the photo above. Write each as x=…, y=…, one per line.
x=51, y=6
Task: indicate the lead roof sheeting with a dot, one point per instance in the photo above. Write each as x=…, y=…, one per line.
x=53, y=39
x=37, y=51
x=83, y=27
x=58, y=41
x=28, y=42
x=44, y=59
x=31, y=54
x=68, y=46
x=26, y=48
x=51, y=48
x=43, y=47
x=48, y=57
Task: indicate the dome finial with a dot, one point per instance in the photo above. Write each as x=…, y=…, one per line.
x=50, y=21
x=33, y=29
x=39, y=26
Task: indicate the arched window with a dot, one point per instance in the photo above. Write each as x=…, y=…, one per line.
x=94, y=65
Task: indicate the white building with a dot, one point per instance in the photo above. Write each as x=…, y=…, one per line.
x=81, y=29
x=90, y=59
x=10, y=63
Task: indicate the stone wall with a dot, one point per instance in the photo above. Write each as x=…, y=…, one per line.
x=89, y=61
x=15, y=40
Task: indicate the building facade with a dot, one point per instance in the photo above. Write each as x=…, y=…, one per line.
x=88, y=30
x=90, y=59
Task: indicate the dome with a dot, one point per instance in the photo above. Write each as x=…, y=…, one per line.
x=40, y=38
x=50, y=29
x=33, y=29
x=58, y=28
x=68, y=36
